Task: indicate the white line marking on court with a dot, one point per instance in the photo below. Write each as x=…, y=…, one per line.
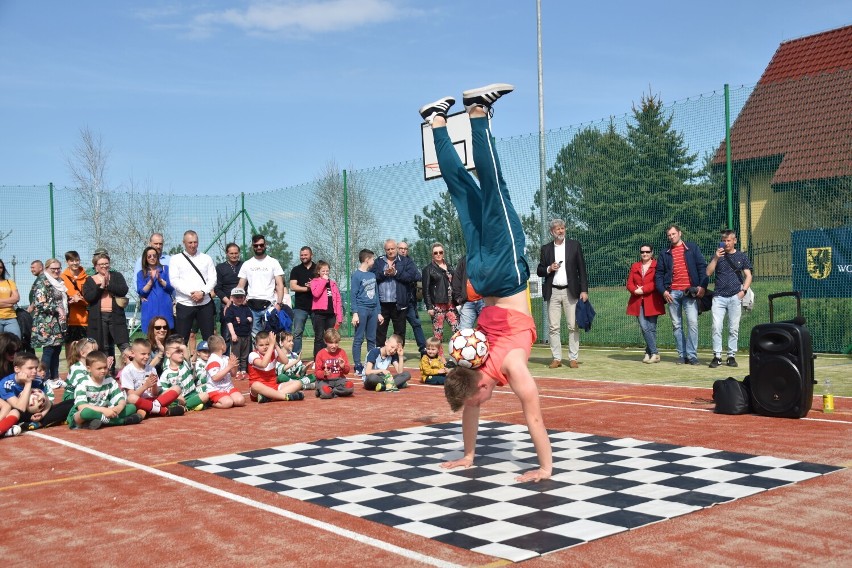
x=648, y=404
x=338, y=531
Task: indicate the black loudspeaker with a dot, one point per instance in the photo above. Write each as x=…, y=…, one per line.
x=781, y=366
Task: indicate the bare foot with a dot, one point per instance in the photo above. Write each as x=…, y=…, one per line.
x=464, y=462
x=534, y=475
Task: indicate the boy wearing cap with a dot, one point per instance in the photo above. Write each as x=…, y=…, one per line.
x=238, y=319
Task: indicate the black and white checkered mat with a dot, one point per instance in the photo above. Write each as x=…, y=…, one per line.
x=600, y=486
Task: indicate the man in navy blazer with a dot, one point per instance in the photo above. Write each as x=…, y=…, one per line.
x=563, y=268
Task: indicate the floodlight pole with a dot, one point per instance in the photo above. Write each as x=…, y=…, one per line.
x=542, y=156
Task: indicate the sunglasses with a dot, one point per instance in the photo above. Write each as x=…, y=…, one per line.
x=645, y=251
x=437, y=252
x=161, y=327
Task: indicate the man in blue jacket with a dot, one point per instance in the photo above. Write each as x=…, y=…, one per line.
x=682, y=276
x=394, y=275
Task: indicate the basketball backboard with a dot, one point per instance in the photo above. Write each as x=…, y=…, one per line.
x=458, y=127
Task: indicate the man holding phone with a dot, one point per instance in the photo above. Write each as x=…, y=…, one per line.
x=563, y=268
x=733, y=279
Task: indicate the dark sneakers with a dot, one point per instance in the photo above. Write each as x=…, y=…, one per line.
x=731, y=362
x=485, y=96
x=132, y=419
x=437, y=108
x=715, y=363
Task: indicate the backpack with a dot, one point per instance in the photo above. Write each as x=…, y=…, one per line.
x=275, y=320
x=732, y=396
x=25, y=323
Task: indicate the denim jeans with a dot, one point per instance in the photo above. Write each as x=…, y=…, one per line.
x=367, y=321
x=686, y=339
x=413, y=318
x=10, y=325
x=733, y=308
x=50, y=359
x=468, y=312
x=299, y=319
x=648, y=325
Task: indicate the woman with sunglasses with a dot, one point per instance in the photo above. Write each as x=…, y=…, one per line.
x=154, y=288
x=158, y=330
x=50, y=312
x=646, y=302
x=438, y=294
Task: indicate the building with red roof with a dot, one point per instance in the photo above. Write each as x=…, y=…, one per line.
x=791, y=145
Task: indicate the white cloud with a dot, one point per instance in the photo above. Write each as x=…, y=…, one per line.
x=298, y=17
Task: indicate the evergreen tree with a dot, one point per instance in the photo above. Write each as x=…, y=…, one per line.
x=439, y=222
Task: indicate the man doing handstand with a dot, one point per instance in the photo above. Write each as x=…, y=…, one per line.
x=497, y=271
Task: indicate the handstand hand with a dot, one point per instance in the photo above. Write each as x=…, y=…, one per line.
x=463, y=462
x=534, y=475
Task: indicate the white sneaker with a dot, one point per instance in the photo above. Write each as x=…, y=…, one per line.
x=655, y=358
x=646, y=358
x=13, y=431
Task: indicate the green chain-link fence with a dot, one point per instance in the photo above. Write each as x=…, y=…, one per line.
x=617, y=183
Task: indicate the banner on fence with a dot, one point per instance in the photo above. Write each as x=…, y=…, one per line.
x=822, y=263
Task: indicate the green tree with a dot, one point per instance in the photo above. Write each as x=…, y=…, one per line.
x=276, y=244
x=438, y=223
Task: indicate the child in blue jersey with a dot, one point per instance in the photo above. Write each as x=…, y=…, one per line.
x=497, y=270
x=30, y=398
x=366, y=311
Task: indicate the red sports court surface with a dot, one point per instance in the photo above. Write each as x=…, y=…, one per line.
x=119, y=496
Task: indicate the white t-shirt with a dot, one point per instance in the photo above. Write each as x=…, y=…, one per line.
x=215, y=363
x=260, y=278
x=133, y=377
x=561, y=276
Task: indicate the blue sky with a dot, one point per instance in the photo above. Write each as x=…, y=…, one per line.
x=216, y=97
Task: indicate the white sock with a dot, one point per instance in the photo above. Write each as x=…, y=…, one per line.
x=155, y=407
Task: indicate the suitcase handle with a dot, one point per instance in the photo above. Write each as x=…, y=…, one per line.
x=795, y=294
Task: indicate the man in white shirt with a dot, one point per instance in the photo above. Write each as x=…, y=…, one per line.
x=263, y=279
x=193, y=276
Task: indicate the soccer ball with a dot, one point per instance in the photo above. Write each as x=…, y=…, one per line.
x=469, y=348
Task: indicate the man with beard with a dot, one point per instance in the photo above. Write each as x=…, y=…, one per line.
x=300, y=275
x=263, y=279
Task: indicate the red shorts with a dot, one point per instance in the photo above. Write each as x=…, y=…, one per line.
x=506, y=330
x=216, y=396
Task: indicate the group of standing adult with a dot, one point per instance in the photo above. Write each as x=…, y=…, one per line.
x=679, y=279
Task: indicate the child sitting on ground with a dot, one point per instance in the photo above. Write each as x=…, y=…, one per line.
x=177, y=373
x=30, y=400
x=433, y=365
x=139, y=380
x=331, y=366
x=263, y=380
x=76, y=357
x=384, y=371
x=220, y=370
x=98, y=400
x=294, y=369
x=9, y=418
